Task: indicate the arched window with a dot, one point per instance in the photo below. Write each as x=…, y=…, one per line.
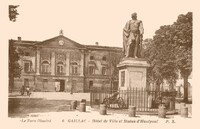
x=74, y=67
x=60, y=67
x=92, y=67
x=45, y=67
x=27, y=66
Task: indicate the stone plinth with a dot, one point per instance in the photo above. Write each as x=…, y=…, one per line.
x=132, y=73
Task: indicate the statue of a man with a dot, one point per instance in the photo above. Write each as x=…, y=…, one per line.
x=132, y=37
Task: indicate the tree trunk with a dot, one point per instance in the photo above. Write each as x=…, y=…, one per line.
x=185, y=78
x=158, y=83
x=110, y=84
x=171, y=86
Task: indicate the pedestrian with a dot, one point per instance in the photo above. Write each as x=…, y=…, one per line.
x=22, y=90
x=28, y=90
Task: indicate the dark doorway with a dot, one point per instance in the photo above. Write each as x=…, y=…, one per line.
x=62, y=85
x=90, y=85
x=26, y=82
x=45, y=84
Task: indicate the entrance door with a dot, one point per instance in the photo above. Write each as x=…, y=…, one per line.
x=26, y=82
x=62, y=85
x=90, y=85
x=45, y=84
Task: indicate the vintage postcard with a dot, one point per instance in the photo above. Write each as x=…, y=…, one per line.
x=98, y=64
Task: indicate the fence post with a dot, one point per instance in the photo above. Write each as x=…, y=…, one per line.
x=91, y=98
x=141, y=101
x=184, y=110
x=132, y=95
x=162, y=111
x=144, y=99
x=128, y=95
x=181, y=105
x=131, y=111
x=82, y=107
x=103, y=110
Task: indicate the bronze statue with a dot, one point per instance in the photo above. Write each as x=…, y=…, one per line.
x=132, y=37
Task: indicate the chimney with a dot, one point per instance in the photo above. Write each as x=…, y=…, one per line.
x=97, y=43
x=19, y=38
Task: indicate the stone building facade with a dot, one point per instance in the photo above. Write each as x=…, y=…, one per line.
x=63, y=65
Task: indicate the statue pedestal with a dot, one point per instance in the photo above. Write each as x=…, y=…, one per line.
x=132, y=73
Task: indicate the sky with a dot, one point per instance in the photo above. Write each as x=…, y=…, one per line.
x=90, y=21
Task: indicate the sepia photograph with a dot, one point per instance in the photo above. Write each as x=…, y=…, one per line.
x=117, y=64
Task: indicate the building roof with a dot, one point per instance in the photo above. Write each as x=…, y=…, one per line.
x=97, y=47
x=25, y=42
x=78, y=45
x=61, y=36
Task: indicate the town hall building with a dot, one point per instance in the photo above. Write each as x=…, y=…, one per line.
x=63, y=65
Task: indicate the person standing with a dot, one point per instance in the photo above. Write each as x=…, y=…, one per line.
x=28, y=91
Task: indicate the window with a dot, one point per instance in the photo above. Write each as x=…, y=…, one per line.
x=122, y=78
x=27, y=66
x=60, y=68
x=91, y=70
x=90, y=84
x=74, y=69
x=104, y=58
x=74, y=66
x=45, y=67
x=103, y=70
x=91, y=57
x=27, y=54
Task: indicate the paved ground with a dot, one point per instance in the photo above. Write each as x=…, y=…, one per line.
x=23, y=107
x=53, y=95
x=36, y=107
